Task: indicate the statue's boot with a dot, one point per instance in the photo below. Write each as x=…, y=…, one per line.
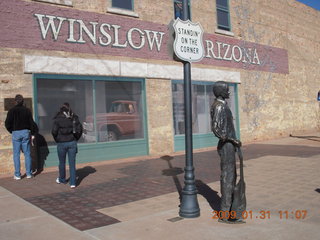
x=222, y=218
x=223, y=221
x=236, y=221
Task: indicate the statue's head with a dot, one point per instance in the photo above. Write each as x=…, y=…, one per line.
x=19, y=99
x=221, y=89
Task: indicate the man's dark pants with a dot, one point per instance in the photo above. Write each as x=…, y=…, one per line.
x=228, y=177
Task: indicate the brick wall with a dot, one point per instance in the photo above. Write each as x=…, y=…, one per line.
x=273, y=105
x=160, y=120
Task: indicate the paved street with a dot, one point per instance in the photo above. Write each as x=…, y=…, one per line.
x=139, y=198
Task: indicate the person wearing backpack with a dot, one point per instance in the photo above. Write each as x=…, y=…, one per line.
x=66, y=131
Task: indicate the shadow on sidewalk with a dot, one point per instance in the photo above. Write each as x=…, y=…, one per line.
x=203, y=189
x=317, y=190
x=83, y=173
x=209, y=194
x=311, y=138
x=173, y=172
x=254, y=151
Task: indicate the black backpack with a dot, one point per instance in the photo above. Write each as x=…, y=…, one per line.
x=77, y=128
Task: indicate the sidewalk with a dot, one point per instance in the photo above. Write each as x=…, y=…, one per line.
x=139, y=200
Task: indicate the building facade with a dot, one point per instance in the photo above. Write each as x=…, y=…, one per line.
x=113, y=61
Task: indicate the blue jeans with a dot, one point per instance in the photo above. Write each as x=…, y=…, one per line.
x=21, y=140
x=71, y=149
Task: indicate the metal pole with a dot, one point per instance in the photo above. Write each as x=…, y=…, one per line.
x=189, y=207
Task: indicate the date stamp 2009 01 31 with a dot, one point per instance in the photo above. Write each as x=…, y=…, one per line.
x=263, y=214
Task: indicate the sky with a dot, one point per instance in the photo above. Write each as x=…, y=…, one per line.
x=312, y=3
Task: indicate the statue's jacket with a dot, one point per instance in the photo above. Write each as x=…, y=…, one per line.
x=222, y=121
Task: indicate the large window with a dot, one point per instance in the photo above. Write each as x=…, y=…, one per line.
x=202, y=98
x=177, y=4
x=110, y=110
x=123, y=4
x=223, y=18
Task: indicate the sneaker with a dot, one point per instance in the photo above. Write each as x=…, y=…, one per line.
x=58, y=181
x=16, y=178
x=29, y=176
x=72, y=186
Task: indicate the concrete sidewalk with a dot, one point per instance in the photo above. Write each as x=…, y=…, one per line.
x=283, y=202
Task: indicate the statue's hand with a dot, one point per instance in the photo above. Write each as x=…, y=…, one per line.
x=239, y=143
x=236, y=142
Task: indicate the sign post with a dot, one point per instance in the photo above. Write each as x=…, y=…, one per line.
x=188, y=47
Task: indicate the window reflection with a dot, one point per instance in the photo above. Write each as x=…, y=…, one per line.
x=178, y=9
x=52, y=93
x=118, y=110
x=222, y=3
x=202, y=98
x=124, y=4
x=223, y=15
x=109, y=110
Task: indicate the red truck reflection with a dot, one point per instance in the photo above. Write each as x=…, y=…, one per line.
x=123, y=119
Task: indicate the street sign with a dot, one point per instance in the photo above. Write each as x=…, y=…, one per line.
x=188, y=43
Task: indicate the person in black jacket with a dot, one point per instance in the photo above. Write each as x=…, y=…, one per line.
x=66, y=131
x=19, y=123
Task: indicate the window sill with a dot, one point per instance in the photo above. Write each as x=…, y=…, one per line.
x=224, y=32
x=58, y=2
x=122, y=12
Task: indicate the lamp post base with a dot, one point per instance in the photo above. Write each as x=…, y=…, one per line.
x=189, y=207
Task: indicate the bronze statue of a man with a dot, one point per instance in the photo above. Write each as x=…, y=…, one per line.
x=223, y=128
